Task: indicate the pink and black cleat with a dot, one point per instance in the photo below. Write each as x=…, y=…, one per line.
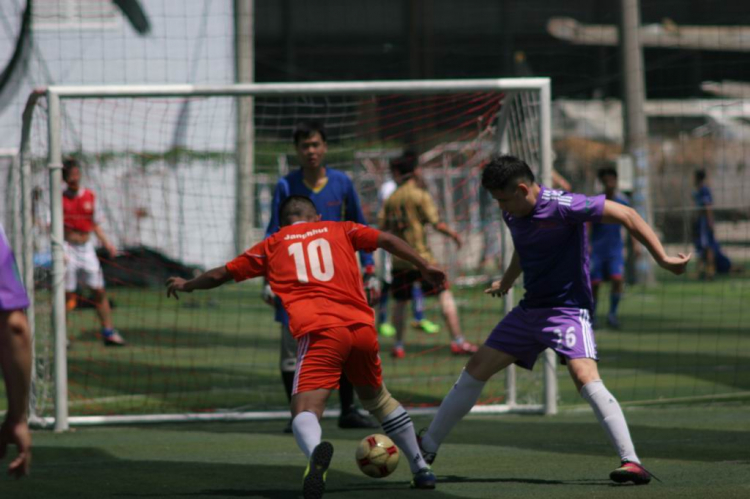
x=631, y=472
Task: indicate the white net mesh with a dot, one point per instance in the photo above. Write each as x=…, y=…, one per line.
x=163, y=170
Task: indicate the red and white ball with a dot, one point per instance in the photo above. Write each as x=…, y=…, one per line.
x=377, y=456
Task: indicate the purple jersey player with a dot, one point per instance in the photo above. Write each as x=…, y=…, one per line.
x=549, y=233
x=15, y=360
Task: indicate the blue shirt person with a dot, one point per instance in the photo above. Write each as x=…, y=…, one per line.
x=332, y=192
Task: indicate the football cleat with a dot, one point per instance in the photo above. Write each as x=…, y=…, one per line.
x=423, y=479
x=429, y=457
x=428, y=327
x=398, y=353
x=314, y=482
x=112, y=338
x=386, y=329
x=631, y=472
x=465, y=348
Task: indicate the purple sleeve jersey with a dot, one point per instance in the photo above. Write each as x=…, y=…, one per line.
x=552, y=245
x=12, y=294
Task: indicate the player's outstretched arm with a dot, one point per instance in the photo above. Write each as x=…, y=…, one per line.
x=501, y=287
x=398, y=247
x=639, y=229
x=207, y=280
x=15, y=360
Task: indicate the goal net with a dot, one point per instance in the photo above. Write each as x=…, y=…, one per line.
x=163, y=163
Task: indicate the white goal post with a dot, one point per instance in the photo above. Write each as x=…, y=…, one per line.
x=537, y=88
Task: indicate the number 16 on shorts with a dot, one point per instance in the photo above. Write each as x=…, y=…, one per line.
x=571, y=332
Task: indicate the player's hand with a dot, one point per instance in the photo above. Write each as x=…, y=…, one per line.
x=175, y=284
x=433, y=275
x=111, y=250
x=676, y=264
x=497, y=288
x=372, y=288
x=267, y=295
x=16, y=434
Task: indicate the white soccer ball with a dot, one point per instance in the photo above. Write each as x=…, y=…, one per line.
x=377, y=456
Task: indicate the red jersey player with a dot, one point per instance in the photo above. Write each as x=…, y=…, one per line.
x=311, y=267
x=81, y=262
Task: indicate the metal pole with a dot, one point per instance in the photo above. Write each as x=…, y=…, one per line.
x=244, y=61
x=635, y=125
x=54, y=164
x=511, y=382
x=450, y=217
x=27, y=222
x=545, y=136
x=288, y=89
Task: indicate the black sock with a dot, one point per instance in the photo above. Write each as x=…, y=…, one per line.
x=346, y=395
x=288, y=379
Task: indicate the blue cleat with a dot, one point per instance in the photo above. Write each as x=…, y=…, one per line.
x=424, y=479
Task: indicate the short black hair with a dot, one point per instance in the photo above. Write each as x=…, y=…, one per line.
x=700, y=175
x=406, y=163
x=68, y=165
x=503, y=170
x=296, y=207
x=603, y=172
x=306, y=129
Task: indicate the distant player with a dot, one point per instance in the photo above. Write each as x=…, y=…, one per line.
x=549, y=233
x=80, y=217
x=15, y=360
x=405, y=214
x=385, y=328
x=710, y=257
x=336, y=200
x=311, y=266
x=607, y=258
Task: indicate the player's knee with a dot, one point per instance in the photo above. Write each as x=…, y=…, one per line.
x=381, y=405
x=16, y=324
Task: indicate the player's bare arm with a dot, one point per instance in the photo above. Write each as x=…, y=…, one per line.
x=398, y=247
x=105, y=242
x=641, y=231
x=501, y=287
x=207, y=280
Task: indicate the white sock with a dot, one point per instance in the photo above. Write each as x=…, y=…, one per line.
x=455, y=406
x=610, y=416
x=398, y=426
x=307, y=432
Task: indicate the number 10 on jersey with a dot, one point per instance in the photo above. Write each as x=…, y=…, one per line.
x=319, y=257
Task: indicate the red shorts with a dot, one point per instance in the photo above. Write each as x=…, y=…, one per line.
x=323, y=355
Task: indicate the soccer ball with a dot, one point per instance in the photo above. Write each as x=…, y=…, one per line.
x=377, y=456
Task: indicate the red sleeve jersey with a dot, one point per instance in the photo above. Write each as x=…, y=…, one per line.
x=312, y=268
x=78, y=210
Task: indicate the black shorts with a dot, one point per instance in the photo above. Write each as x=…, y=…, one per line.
x=403, y=280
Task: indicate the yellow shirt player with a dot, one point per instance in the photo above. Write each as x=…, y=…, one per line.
x=405, y=214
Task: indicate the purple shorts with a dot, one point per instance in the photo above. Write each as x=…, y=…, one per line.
x=12, y=294
x=526, y=332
